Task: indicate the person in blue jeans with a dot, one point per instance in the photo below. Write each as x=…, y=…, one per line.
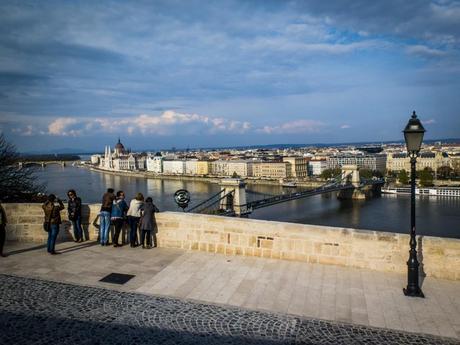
x=106, y=210
x=134, y=215
x=119, y=210
x=52, y=220
x=74, y=213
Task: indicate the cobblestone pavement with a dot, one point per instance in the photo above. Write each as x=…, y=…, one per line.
x=43, y=312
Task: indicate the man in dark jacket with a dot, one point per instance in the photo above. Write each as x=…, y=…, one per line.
x=52, y=220
x=106, y=209
x=74, y=213
x=2, y=229
x=147, y=222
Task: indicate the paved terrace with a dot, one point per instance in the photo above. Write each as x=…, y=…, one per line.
x=193, y=297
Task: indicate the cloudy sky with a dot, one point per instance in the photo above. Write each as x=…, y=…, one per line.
x=159, y=74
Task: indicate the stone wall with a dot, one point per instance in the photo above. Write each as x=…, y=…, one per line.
x=381, y=251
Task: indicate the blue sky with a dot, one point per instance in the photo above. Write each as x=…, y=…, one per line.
x=159, y=74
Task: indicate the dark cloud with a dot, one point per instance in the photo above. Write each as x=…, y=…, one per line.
x=55, y=51
x=11, y=79
x=436, y=21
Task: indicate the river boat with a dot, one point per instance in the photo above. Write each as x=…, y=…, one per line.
x=289, y=185
x=431, y=191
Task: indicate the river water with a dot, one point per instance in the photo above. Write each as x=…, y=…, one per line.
x=436, y=216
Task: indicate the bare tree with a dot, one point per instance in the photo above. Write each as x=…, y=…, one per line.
x=16, y=183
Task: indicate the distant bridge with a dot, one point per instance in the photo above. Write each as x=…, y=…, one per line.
x=231, y=200
x=41, y=163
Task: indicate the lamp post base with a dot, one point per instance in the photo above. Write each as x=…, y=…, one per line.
x=417, y=292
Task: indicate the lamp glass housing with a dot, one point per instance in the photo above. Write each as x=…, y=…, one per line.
x=413, y=134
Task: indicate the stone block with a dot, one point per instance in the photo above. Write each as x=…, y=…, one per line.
x=386, y=237
x=252, y=241
x=313, y=259
x=288, y=255
x=266, y=253
x=220, y=248
x=211, y=247
x=229, y=250
x=266, y=244
x=331, y=260
x=248, y=251
x=276, y=254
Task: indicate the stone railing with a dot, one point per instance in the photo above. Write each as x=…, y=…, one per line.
x=381, y=251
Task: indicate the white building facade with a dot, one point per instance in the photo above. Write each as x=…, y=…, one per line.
x=316, y=167
x=174, y=167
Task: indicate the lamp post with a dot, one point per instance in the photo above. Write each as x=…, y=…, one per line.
x=413, y=135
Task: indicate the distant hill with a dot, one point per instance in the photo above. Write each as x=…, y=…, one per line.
x=248, y=147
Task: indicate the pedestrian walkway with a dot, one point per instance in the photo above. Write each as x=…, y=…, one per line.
x=291, y=290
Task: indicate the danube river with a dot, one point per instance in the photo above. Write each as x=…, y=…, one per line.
x=435, y=216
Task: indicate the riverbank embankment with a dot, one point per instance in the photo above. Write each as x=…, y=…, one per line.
x=207, y=179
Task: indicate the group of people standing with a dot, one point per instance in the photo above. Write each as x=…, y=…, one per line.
x=139, y=215
x=114, y=210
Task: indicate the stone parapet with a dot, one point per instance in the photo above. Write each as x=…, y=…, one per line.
x=381, y=251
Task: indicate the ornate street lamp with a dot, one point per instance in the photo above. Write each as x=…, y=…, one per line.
x=413, y=134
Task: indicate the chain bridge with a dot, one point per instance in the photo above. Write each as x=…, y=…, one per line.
x=231, y=199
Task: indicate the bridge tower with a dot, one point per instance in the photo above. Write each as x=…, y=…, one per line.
x=237, y=200
x=350, y=174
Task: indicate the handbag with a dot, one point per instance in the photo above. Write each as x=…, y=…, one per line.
x=47, y=224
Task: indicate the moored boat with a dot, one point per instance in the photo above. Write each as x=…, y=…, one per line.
x=429, y=191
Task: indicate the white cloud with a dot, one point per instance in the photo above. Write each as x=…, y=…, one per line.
x=24, y=131
x=293, y=127
x=345, y=126
x=421, y=50
x=168, y=123
x=429, y=122
x=286, y=44
x=62, y=127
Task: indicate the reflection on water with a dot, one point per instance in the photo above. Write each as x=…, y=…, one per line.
x=435, y=216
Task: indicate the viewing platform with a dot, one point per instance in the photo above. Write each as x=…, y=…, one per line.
x=231, y=280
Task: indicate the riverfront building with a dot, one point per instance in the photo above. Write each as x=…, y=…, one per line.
x=317, y=166
x=240, y=167
x=298, y=166
x=271, y=169
x=433, y=160
x=196, y=167
x=154, y=163
x=174, y=166
x=363, y=161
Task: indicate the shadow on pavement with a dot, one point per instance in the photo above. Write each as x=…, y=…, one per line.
x=43, y=246
x=78, y=247
x=24, y=250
